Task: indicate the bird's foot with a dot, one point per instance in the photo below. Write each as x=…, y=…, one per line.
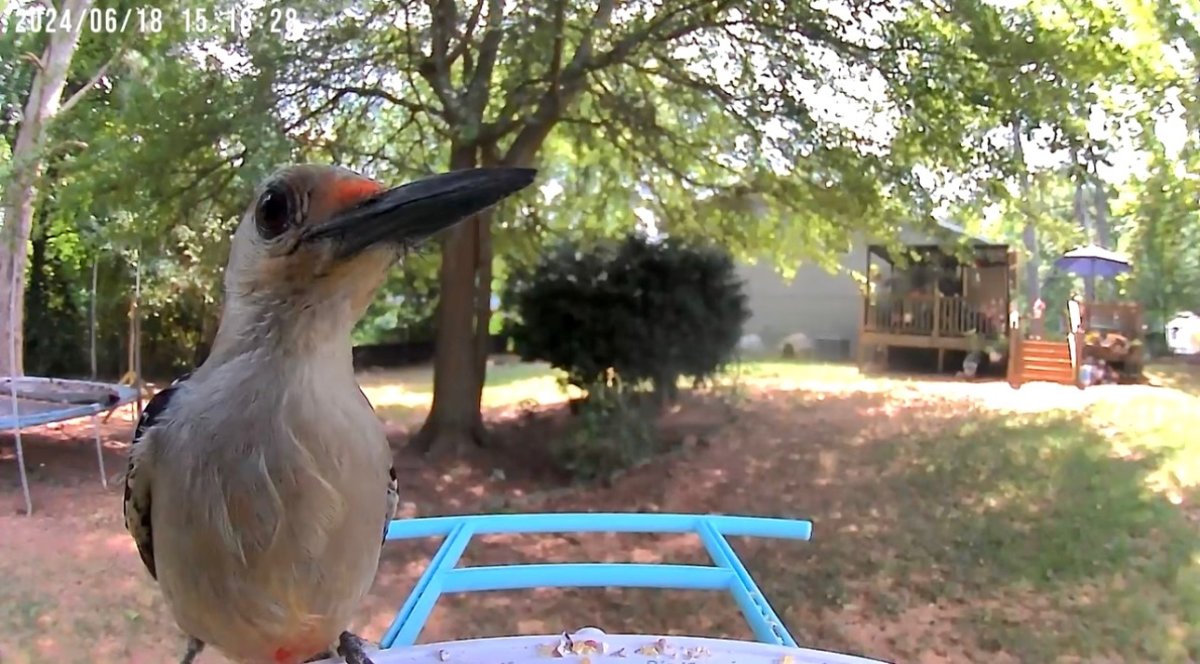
x=194, y=648
x=352, y=648
x=319, y=657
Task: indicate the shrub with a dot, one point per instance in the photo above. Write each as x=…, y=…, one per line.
x=645, y=312
x=612, y=433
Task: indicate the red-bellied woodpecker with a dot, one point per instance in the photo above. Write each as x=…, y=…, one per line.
x=260, y=487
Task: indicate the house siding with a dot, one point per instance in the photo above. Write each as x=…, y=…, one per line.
x=820, y=304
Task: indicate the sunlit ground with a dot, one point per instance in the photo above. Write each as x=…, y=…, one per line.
x=401, y=394
x=954, y=522
x=1079, y=503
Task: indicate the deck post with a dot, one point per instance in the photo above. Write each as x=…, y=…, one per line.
x=867, y=293
x=1077, y=359
x=1014, y=347
x=937, y=326
x=937, y=312
x=866, y=312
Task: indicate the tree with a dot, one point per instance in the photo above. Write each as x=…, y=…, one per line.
x=724, y=119
x=43, y=103
x=152, y=165
x=1024, y=77
x=677, y=102
x=689, y=96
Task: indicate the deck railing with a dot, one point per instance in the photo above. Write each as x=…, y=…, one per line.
x=1123, y=317
x=931, y=316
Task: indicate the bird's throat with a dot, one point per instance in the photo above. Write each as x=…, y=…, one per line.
x=274, y=332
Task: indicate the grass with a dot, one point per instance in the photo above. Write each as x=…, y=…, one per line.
x=954, y=522
x=401, y=392
x=404, y=394
x=786, y=373
x=1176, y=375
x=1070, y=517
x=1060, y=508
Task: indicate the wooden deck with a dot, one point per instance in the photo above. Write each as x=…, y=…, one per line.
x=914, y=341
x=928, y=321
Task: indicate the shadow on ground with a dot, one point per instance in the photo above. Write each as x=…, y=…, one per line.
x=944, y=532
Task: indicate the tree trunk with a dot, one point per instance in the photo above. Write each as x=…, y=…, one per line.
x=1102, y=237
x=92, y=316
x=1029, y=234
x=35, y=297
x=455, y=422
x=1082, y=218
x=16, y=213
x=483, y=300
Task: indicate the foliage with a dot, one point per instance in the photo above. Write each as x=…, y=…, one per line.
x=405, y=311
x=614, y=432
x=642, y=310
x=1161, y=230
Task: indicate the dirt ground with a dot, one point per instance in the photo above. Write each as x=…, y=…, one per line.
x=895, y=571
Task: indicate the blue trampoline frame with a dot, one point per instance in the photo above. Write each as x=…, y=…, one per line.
x=13, y=421
x=726, y=573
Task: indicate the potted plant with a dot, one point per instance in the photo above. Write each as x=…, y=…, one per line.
x=992, y=345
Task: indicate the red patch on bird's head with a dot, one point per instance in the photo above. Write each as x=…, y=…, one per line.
x=350, y=191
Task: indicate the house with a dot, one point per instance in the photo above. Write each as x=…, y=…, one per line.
x=824, y=306
x=903, y=308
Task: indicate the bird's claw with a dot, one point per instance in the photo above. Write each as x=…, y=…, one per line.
x=194, y=648
x=352, y=648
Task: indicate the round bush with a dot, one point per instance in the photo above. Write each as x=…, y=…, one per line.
x=634, y=312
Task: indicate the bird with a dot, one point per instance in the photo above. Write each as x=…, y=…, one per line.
x=260, y=485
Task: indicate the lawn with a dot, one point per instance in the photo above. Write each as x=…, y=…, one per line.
x=953, y=522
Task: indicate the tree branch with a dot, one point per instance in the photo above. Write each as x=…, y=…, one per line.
x=468, y=32
x=436, y=67
x=566, y=84
x=534, y=133
x=74, y=99
x=476, y=98
x=361, y=91
x=556, y=59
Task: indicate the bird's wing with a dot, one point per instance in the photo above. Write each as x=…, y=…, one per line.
x=393, y=489
x=393, y=499
x=137, y=478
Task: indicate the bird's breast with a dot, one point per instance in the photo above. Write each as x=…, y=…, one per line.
x=271, y=534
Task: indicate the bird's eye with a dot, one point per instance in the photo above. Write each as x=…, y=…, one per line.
x=273, y=215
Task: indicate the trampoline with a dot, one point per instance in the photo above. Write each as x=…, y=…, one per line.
x=30, y=401
x=773, y=643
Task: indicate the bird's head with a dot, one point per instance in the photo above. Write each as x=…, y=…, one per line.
x=318, y=240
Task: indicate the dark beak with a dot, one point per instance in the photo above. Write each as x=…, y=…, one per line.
x=414, y=211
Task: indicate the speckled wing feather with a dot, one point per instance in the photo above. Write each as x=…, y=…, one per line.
x=137, y=482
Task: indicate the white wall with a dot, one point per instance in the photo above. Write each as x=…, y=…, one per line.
x=817, y=303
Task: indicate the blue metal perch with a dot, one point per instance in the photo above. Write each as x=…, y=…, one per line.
x=727, y=573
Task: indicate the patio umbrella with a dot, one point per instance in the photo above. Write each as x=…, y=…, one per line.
x=1093, y=261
